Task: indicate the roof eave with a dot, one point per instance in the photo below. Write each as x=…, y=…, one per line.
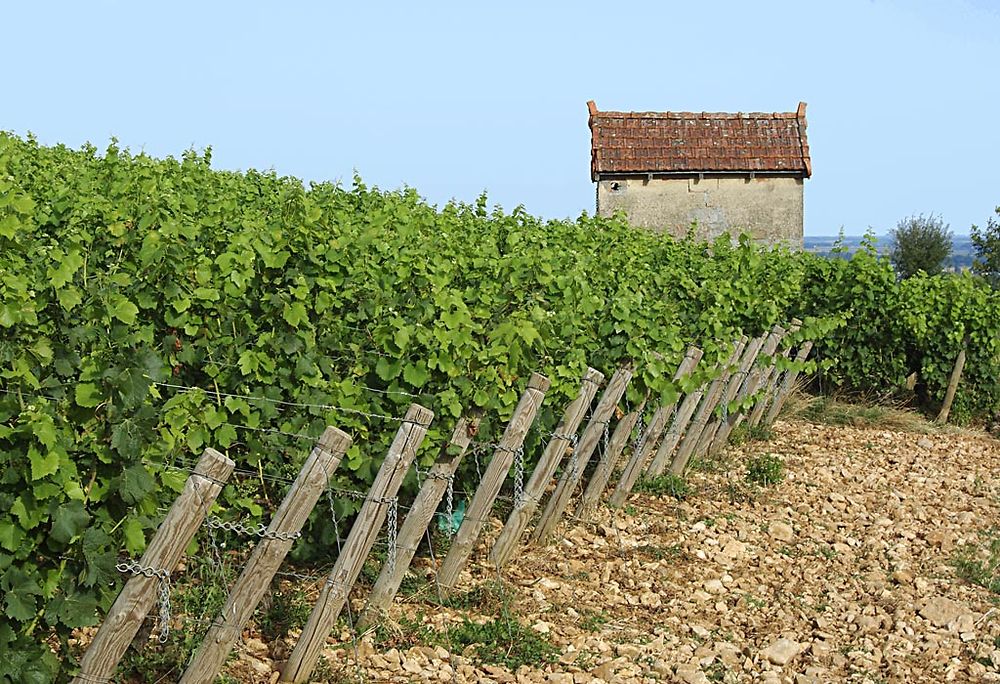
x=757, y=173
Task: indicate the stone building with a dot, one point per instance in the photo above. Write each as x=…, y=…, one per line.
x=669, y=171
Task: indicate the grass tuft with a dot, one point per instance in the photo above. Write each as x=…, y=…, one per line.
x=669, y=484
x=503, y=641
x=979, y=563
x=765, y=470
x=830, y=411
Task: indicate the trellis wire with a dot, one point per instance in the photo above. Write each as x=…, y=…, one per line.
x=277, y=402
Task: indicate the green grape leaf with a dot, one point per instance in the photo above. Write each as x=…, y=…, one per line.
x=69, y=521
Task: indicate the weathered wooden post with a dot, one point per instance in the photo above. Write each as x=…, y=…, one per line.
x=949, y=395
x=588, y=443
x=709, y=402
x=736, y=380
x=337, y=587
x=419, y=517
x=493, y=477
x=748, y=388
x=787, y=384
x=651, y=435
x=599, y=480
x=164, y=552
x=770, y=381
x=562, y=438
x=669, y=442
x=267, y=556
x=705, y=408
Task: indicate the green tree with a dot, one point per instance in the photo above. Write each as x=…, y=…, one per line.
x=986, y=243
x=919, y=243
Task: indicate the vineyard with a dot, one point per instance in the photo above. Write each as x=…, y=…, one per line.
x=152, y=308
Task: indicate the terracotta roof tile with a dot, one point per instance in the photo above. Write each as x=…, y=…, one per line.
x=657, y=142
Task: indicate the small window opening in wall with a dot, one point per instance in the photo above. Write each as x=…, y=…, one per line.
x=617, y=186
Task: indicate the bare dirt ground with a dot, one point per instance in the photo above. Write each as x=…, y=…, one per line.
x=843, y=572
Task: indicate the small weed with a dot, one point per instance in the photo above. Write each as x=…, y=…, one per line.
x=668, y=484
x=284, y=610
x=828, y=552
x=746, y=433
x=586, y=659
x=200, y=596
x=765, y=470
x=980, y=563
x=323, y=672
x=503, y=641
x=502, y=507
x=739, y=492
x=592, y=621
x=659, y=553
x=403, y=634
x=487, y=597
x=716, y=672
x=160, y=662
x=630, y=510
x=716, y=463
x=412, y=585
x=753, y=601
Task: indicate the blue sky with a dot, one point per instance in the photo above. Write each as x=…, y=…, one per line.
x=457, y=98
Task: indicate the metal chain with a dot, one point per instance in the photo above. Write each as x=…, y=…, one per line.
x=135, y=568
x=391, y=533
x=606, y=437
x=164, y=610
x=479, y=468
x=571, y=438
x=450, y=503
x=258, y=530
x=637, y=444
x=449, y=492
x=518, y=476
x=573, y=457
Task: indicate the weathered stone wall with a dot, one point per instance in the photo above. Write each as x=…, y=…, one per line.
x=768, y=208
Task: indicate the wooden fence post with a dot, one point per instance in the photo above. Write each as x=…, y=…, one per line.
x=599, y=480
x=164, y=552
x=562, y=438
x=770, y=382
x=747, y=360
x=949, y=395
x=787, y=384
x=493, y=477
x=750, y=385
x=267, y=556
x=337, y=587
x=648, y=440
x=669, y=442
x=651, y=435
x=707, y=404
x=438, y=478
x=588, y=443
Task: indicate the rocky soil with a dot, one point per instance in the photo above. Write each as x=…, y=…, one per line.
x=843, y=572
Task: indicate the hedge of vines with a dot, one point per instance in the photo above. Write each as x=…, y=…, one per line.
x=124, y=277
